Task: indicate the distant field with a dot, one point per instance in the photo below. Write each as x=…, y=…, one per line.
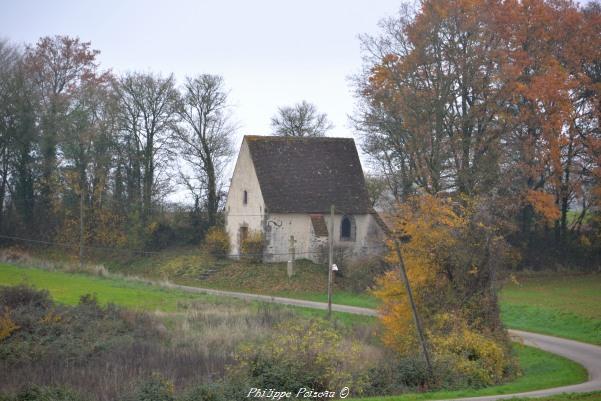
x=67, y=288
x=562, y=305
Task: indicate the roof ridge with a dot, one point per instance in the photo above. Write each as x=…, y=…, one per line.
x=295, y=138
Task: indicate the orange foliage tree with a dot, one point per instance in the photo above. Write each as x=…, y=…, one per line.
x=453, y=258
x=481, y=96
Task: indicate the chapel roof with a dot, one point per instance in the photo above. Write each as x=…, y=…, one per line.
x=308, y=174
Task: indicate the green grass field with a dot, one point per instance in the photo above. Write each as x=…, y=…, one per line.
x=595, y=396
x=67, y=288
x=562, y=305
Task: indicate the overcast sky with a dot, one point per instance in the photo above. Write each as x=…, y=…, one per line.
x=271, y=53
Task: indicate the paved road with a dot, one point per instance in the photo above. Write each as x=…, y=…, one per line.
x=586, y=355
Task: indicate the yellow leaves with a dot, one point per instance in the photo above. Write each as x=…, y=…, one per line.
x=50, y=318
x=7, y=326
x=428, y=222
x=544, y=204
x=474, y=355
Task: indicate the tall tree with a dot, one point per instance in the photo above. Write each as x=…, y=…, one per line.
x=431, y=102
x=148, y=104
x=205, y=137
x=481, y=97
x=85, y=145
x=9, y=59
x=302, y=119
x=57, y=66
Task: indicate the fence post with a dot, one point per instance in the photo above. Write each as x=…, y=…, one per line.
x=292, y=257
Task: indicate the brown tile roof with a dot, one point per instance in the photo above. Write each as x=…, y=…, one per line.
x=307, y=175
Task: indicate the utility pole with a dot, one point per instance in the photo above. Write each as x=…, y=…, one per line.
x=330, y=260
x=416, y=320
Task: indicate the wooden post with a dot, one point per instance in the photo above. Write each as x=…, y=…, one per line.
x=416, y=320
x=292, y=257
x=330, y=260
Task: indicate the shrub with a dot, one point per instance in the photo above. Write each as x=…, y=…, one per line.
x=42, y=393
x=155, y=388
x=398, y=375
x=253, y=246
x=217, y=242
x=22, y=295
x=7, y=326
x=466, y=357
x=205, y=392
x=302, y=354
x=360, y=274
x=159, y=235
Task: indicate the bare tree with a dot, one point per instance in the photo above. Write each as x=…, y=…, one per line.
x=302, y=119
x=205, y=138
x=148, y=105
x=10, y=56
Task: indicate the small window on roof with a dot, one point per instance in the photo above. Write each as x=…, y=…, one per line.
x=245, y=199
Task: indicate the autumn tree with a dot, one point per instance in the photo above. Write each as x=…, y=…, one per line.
x=454, y=257
x=205, y=139
x=478, y=97
x=430, y=100
x=56, y=66
x=302, y=119
x=86, y=143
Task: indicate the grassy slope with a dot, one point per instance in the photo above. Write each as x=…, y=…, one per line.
x=561, y=305
x=68, y=288
x=540, y=370
x=185, y=265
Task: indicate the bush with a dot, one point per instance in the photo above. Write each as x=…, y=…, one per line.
x=40, y=393
x=302, y=354
x=252, y=247
x=361, y=274
x=155, y=388
x=395, y=376
x=205, y=392
x=217, y=242
x=159, y=235
x=22, y=295
x=467, y=358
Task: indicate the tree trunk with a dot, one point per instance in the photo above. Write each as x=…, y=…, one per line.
x=148, y=178
x=212, y=201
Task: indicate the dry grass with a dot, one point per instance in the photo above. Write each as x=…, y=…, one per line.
x=188, y=348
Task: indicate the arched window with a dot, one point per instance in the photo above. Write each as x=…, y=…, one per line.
x=347, y=228
x=245, y=199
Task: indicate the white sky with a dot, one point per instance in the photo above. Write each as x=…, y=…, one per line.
x=270, y=53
